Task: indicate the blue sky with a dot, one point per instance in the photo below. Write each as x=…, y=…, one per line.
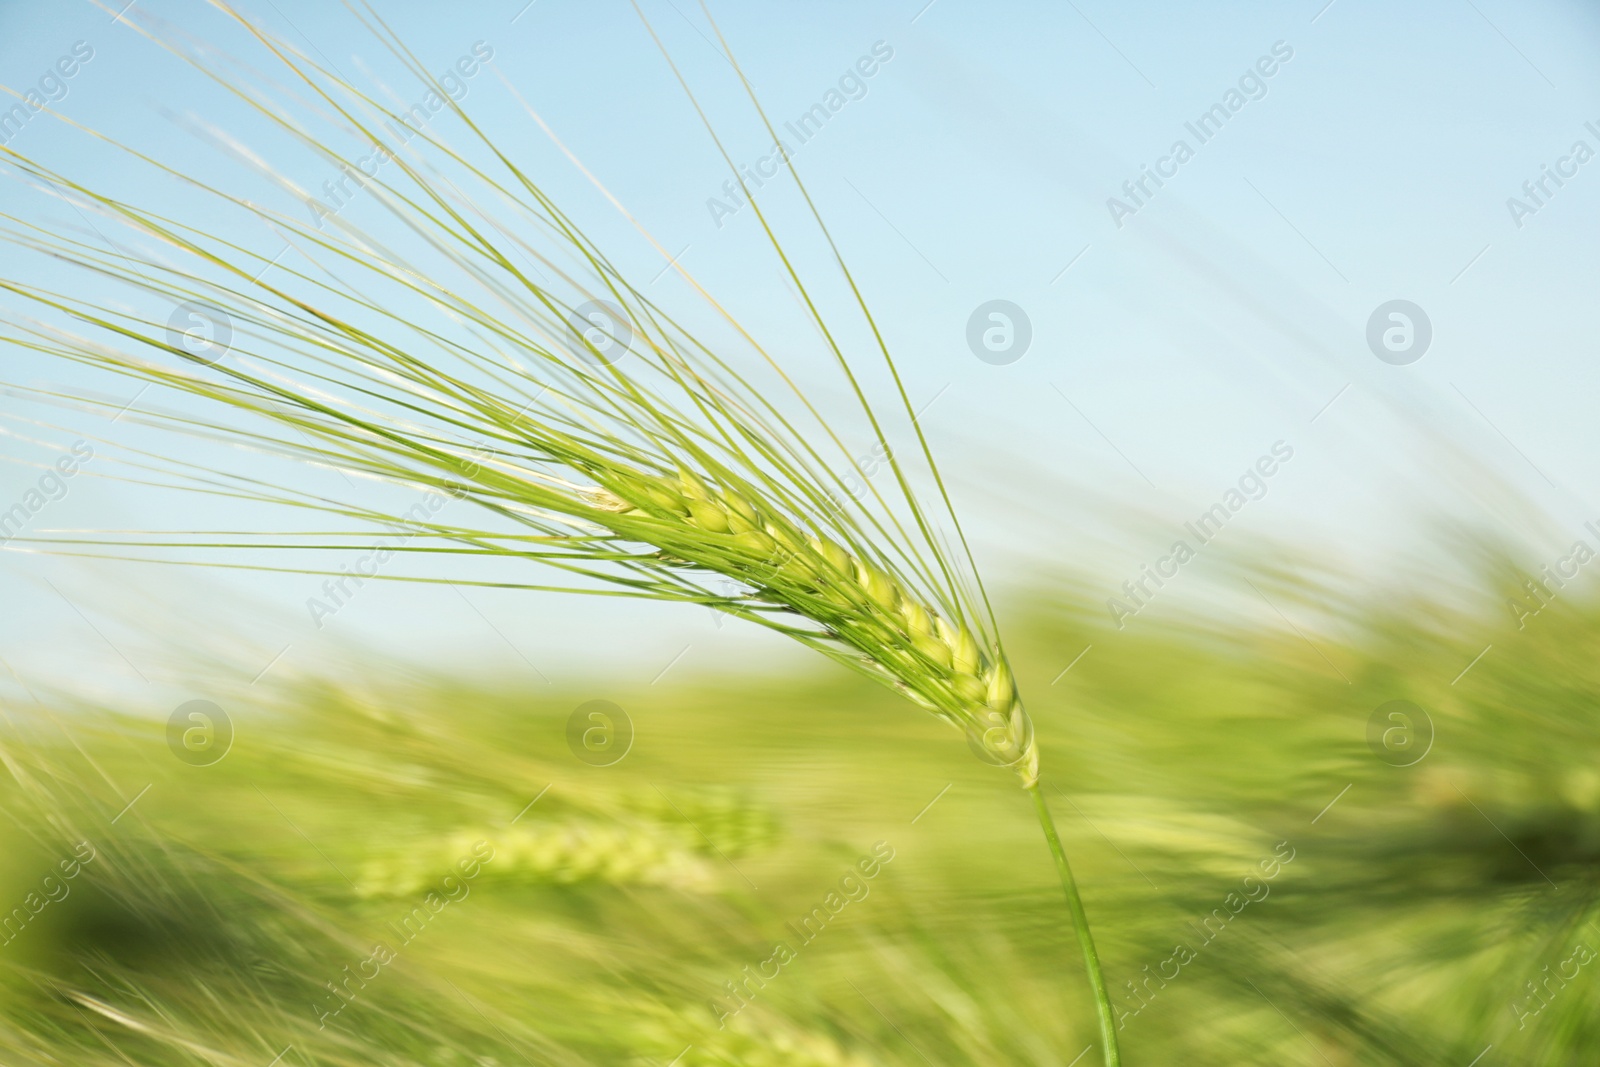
x=1227, y=313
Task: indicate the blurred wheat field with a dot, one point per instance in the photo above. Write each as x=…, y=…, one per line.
x=415, y=869
x=435, y=296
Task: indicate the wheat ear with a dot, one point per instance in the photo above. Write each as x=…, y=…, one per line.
x=654, y=476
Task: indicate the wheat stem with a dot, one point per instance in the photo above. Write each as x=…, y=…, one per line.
x=1080, y=923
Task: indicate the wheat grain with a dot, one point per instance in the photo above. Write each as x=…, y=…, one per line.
x=936, y=663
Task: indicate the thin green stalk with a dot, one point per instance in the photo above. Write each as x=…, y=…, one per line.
x=1080, y=923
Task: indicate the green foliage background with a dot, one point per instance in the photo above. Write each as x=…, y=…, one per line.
x=1178, y=755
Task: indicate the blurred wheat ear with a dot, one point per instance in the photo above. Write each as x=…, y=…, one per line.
x=482, y=348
